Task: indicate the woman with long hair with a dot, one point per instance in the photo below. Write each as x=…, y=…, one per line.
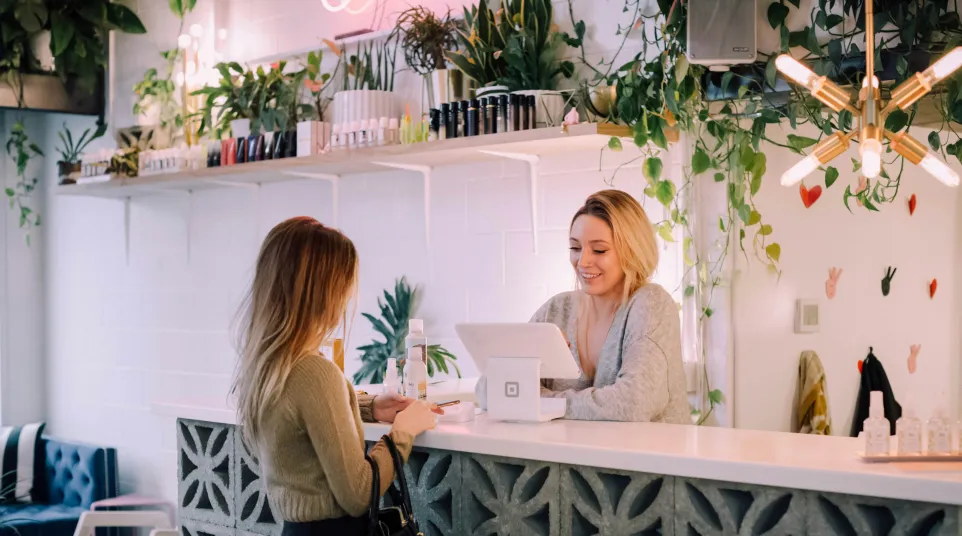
x=623, y=330
x=299, y=415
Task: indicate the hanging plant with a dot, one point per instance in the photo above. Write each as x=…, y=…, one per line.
x=22, y=151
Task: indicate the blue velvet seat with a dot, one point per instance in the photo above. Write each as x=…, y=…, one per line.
x=76, y=476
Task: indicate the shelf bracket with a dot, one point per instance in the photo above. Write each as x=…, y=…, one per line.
x=233, y=184
x=425, y=172
x=335, y=182
x=534, y=171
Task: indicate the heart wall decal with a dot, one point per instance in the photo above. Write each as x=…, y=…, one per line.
x=809, y=197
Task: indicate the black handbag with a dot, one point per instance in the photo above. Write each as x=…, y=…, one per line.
x=398, y=519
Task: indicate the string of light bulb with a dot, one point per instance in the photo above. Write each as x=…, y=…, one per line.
x=871, y=131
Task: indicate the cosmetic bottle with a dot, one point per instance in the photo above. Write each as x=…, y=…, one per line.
x=373, y=125
x=434, y=116
x=416, y=347
x=465, y=112
x=939, y=432
x=240, y=151
x=503, y=113
x=484, y=121
x=532, y=109
x=225, y=151
x=280, y=145
x=444, y=131
x=458, y=119
x=876, y=427
x=909, y=431
x=415, y=375
x=382, y=130
x=252, y=147
x=392, y=382
x=291, y=144
x=473, y=129
x=514, y=118
x=525, y=116
x=393, y=131
x=493, y=114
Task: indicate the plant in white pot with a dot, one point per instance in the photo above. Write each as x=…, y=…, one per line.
x=313, y=133
x=368, y=84
x=480, y=50
x=68, y=167
x=425, y=38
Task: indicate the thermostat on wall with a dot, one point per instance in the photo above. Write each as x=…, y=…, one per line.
x=806, y=316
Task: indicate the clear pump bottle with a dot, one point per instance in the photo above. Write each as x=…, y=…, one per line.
x=876, y=427
x=939, y=432
x=909, y=431
x=415, y=375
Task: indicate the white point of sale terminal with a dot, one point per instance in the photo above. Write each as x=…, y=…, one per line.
x=514, y=357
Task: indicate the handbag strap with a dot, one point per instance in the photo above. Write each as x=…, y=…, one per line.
x=375, y=496
x=399, y=475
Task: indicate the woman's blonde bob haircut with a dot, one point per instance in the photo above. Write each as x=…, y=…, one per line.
x=632, y=232
x=303, y=281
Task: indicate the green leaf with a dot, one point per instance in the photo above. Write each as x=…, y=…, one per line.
x=745, y=213
x=726, y=80
x=774, y=251
x=771, y=71
x=856, y=165
x=614, y=143
x=754, y=218
x=665, y=192
x=719, y=177
x=124, y=19
x=641, y=134
x=742, y=90
x=721, y=225
x=759, y=166
x=10, y=192
x=664, y=231
x=934, y=141
x=681, y=68
x=896, y=120
x=776, y=14
x=700, y=162
x=796, y=3
x=835, y=51
x=689, y=291
x=61, y=33
x=652, y=170
x=800, y=142
x=765, y=229
x=831, y=175
x=31, y=15
x=707, y=311
x=716, y=396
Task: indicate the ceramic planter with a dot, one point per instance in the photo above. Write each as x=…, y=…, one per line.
x=363, y=105
x=446, y=85
x=490, y=91
x=241, y=128
x=549, y=107
x=40, y=48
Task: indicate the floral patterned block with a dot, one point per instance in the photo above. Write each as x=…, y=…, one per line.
x=206, y=469
x=607, y=501
x=708, y=507
x=847, y=515
x=254, y=514
x=509, y=497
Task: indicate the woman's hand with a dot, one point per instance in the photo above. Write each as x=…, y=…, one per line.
x=388, y=405
x=416, y=418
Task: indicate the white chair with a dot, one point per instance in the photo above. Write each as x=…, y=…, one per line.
x=145, y=518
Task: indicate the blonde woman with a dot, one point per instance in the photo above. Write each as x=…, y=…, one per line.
x=623, y=330
x=300, y=415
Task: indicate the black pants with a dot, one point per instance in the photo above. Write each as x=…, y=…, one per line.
x=342, y=526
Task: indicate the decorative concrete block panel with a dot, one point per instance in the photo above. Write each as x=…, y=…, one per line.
x=434, y=479
x=708, y=507
x=253, y=510
x=608, y=501
x=509, y=497
x=847, y=515
x=206, y=469
x=190, y=527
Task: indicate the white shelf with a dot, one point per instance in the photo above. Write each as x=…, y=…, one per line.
x=539, y=142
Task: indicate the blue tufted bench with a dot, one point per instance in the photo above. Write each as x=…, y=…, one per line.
x=76, y=476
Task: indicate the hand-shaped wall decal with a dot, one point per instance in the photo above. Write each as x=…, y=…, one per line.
x=832, y=282
x=887, y=280
x=913, y=357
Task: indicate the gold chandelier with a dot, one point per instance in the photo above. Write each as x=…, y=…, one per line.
x=869, y=109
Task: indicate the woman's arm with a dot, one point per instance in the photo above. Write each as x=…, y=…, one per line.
x=321, y=397
x=640, y=390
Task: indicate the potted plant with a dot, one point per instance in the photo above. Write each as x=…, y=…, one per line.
x=425, y=39
x=313, y=133
x=229, y=106
x=68, y=167
x=532, y=49
x=368, y=84
x=156, y=103
x=481, y=45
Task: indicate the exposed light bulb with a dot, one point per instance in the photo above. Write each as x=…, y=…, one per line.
x=874, y=81
x=794, y=69
x=799, y=171
x=940, y=170
x=196, y=30
x=945, y=66
x=871, y=151
x=184, y=41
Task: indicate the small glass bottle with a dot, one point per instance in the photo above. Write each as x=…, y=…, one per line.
x=525, y=125
x=465, y=111
x=485, y=121
x=939, y=433
x=532, y=112
x=434, y=124
x=876, y=427
x=514, y=119
x=457, y=119
x=444, y=131
x=473, y=129
x=503, y=113
x=909, y=431
x=493, y=114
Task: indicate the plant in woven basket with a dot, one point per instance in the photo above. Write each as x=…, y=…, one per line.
x=396, y=310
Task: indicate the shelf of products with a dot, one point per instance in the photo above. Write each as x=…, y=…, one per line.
x=539, y=142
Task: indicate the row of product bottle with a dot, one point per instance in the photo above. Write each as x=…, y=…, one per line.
x=253, y=148
x=487, y=115
x=414, y=381
x=941, y=438
x=370, y=133
x=153, y=162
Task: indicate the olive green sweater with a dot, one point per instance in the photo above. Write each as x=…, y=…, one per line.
x=311, y=447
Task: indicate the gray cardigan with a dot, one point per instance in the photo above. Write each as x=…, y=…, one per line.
x=640, y=376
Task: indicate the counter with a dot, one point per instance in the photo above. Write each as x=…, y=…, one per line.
x=574, y=477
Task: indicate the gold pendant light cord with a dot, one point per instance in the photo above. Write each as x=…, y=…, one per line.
x=870, y=39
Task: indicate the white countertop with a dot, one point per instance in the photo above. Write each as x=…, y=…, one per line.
x=777, y=459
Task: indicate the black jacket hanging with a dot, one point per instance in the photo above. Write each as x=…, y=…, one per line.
x=874, y=379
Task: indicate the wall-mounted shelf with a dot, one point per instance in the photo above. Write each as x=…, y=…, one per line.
x=421, y=157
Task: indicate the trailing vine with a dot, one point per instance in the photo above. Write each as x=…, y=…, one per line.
x=726, y=116
x=22, y=150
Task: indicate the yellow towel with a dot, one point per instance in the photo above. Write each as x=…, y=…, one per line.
x=811, y=398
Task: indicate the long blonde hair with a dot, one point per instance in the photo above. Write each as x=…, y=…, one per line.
x=303, y=281
x=632, y=232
